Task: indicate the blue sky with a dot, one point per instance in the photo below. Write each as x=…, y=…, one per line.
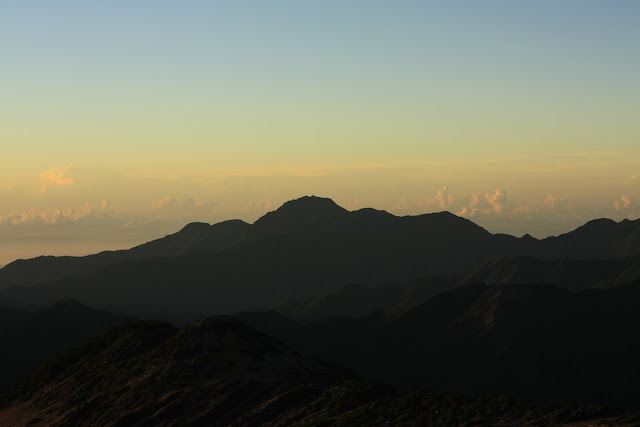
x=383, y=103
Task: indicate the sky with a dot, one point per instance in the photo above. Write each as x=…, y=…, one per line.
x=122, y=121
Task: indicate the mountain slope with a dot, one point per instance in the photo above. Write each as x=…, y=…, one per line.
x=307, y=248
x=218, y=371
x=359, y=300
x=30, y=338
x=567, y=273
x=193, y=238
x=534, y=342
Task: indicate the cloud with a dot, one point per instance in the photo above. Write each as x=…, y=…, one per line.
x=56, y=216
x=401, y=205
x=191, y=208
x=181, y=203
x=635, y=177
x=54, y=177
x=623, y=203
x=254, y=209
x=473, y=205
x=497, y=200
x=556, y=203
x=441, y=201
x=526, y=209
x=444, y=198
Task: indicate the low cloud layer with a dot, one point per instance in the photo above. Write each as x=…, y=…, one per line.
x=189, y=207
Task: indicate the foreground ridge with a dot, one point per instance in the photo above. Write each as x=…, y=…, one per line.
x=218, y=371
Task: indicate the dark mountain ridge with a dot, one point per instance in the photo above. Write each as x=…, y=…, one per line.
x=535, y=342
x=192, y=238
x=30, y=338
x=567, y=273
x=308, y=247
x=218, y=371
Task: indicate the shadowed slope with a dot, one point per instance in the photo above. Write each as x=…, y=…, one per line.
x=28, y=339
x=572, y=274
x=218, y=371
x=535, y=342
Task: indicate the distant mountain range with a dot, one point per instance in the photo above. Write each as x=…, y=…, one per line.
x=323, y=299
x=308, y=248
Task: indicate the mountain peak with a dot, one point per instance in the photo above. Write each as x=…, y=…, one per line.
x=311, y=204
x=297, y=215
x=195, y=228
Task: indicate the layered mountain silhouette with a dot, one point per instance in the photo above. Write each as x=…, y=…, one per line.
x=567, y=273
x=307, y=248
x=358, y=300
x=31, y=338
x=194, y=237
x=535, y=342
x=218, y=371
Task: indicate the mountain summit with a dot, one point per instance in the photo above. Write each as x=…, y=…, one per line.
x=297, y=215
x=308, y=247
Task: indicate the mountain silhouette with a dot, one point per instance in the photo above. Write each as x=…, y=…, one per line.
x=306, y=214
x=31, y=338
x=356, y=300
x=216, y=371
x=535, y=342
x=219, y=371
x=567, y=273
x=194, y=237
x=307, y=248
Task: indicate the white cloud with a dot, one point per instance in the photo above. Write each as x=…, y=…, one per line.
x=441, y=201
x=444, y=198
x=556, y=203
x=181, y=203
x=54, y=177
x=497, y=200
x=623, y=203
x=56, y=216
x=190, y=208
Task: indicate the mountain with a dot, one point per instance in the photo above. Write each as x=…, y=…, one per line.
x=297, y=216
x=356, y=300
x=307, y=248
x=30, y=338
x=534, y=342
x=567, y=273
x=218, y=371
x=193, y=238
x=598, y=239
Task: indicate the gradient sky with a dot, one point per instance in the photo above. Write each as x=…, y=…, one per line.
x=121, y=121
